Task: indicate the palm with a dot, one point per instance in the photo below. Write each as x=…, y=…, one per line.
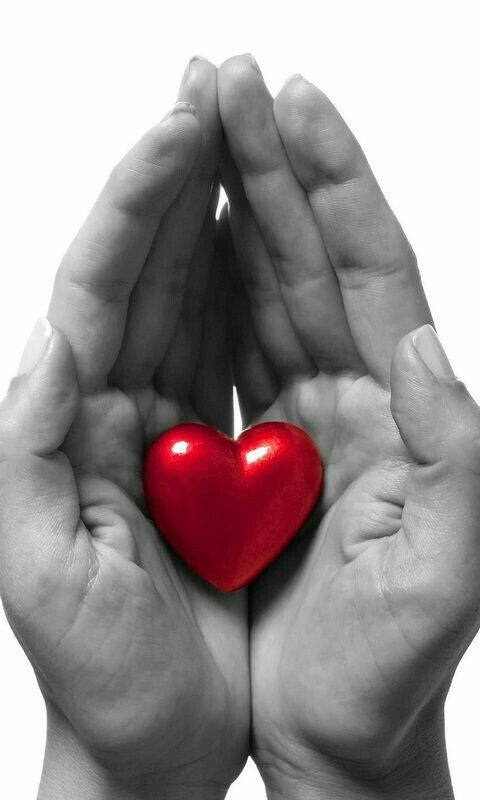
x=348, y=417
x=362, y=596
x=139, y=609
x=351, y=556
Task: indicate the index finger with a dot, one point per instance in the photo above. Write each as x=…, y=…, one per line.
x=156, y=301
x=98, y=272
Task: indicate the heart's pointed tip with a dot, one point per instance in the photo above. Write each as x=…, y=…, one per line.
x=228, y=589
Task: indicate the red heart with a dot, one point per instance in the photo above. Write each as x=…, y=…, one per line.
x=228, y=507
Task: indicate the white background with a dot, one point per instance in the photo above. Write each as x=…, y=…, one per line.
x=83, y=80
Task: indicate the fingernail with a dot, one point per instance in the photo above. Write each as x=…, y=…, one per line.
x=253, y=62
x=181, y=107
x=194, y=59
x=428, y=346
x=36, y=345
x=297, y=76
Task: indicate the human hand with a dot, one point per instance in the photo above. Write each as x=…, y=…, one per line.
x=143, y=667
x=358, y=627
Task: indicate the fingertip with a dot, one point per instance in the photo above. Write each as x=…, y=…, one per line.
x=246, y=111
x=47, y=351
x=295, y=89
x=435, y=414
x=237, y=76
x=199, y=86
x=421, y=353
x=293, y=108
x=428, y=346
x=198, y=59
x=296, y=76
x=239, y=62
x=300, y=100
x=55, y=374
x=318, y=141
x=404, y=352
x=42, y=402
x=418, y=403
x=407, y=364
x=253, y=62
x=198, y=68
x=35, y=347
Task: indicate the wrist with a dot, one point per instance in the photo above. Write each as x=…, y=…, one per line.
x=70, y=770
x=418, y=768
x=333, y=781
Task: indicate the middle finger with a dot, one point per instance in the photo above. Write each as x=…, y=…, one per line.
x=308, y=284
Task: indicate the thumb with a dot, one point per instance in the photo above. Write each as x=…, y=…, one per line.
x=435, y=414
x=43, y=399
x=39, y=508
x=440, y=425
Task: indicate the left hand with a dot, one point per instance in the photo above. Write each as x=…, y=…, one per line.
x=143, y=667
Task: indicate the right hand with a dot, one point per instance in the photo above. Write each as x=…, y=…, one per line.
x=357, y=628
x=139, y=661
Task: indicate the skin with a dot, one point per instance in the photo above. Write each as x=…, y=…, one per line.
x=357, y=628
x=143, y=667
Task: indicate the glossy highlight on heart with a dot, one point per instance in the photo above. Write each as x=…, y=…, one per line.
x=228, y=507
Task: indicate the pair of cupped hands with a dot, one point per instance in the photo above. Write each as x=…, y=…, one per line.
x=332, y=668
